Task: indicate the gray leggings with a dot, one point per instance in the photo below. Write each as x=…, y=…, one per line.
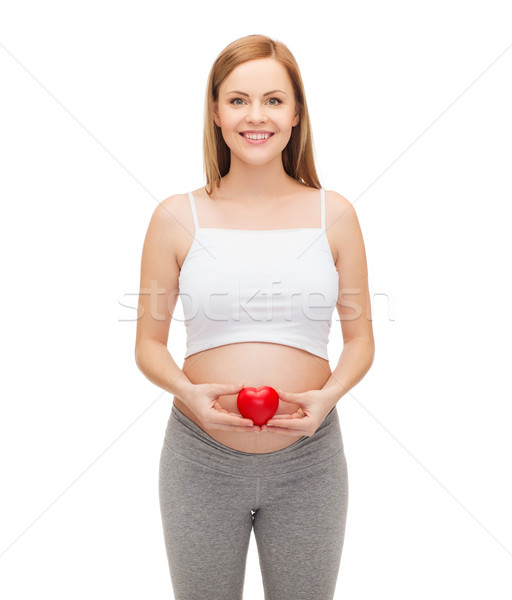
x=212, y=497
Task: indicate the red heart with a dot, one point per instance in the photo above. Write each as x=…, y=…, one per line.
x=259, y=404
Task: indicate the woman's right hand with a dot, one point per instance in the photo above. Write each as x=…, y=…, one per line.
x=202, y=400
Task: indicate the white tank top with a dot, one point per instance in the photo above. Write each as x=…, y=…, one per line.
x=252, y=285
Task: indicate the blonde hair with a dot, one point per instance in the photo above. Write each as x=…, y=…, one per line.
x=298, y=159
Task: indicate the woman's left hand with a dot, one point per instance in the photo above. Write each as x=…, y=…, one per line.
x=315, y=405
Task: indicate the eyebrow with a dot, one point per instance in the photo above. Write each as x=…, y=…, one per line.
x=244, y=94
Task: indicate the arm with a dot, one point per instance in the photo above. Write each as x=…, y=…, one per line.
x=353, y=304
x=156, y=363
x=157, y=300
x=159, y=292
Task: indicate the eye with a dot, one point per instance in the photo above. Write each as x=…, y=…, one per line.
x=235, y=103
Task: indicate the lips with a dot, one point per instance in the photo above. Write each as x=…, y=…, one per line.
x=260, y=137
x=269, y=133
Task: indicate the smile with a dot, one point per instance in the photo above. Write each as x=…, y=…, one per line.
x=256, y=137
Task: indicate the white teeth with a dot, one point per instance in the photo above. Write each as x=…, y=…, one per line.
x=256, y=136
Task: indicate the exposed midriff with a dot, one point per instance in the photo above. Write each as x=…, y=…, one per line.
x=254, y=364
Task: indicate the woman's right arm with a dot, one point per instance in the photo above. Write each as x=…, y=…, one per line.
x=159, y=292
x=157, y=300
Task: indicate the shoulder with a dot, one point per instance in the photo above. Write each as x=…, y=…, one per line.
x=341, y=222
x=339, y=212
x=337, y=204
x=174, y=214
x=171, y=229
x=172, y=206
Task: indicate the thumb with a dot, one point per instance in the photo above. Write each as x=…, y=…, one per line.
x=232, y=387
x=286, y=396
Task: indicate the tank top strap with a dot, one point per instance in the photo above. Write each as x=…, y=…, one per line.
x=322, y=206
x=193, y=208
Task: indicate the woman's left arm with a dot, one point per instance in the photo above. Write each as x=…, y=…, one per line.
x=354, y=309
x=353, y=306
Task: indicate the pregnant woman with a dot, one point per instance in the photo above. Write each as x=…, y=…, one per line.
x=260, y=257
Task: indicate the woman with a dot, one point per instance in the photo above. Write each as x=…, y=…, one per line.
x=259, y=257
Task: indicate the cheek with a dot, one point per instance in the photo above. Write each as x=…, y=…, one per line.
x=285, y=120
x=228, y=121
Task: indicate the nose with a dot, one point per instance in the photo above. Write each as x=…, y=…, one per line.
x=256, y=114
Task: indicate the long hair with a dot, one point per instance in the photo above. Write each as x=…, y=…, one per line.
x=298, y=159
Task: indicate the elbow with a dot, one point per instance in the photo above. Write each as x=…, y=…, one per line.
x=146, y=351
x=371, y=346
x=365, y=348
x=370, y=342
x=138, y=355
x=372, y=355
x=367, y=354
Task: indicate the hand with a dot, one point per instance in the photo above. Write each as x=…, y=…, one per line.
x=202, y=400
x=315, y=405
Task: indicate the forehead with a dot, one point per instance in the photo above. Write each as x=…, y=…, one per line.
x=252, y=75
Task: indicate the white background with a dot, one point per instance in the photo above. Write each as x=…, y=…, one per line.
x=101, y=109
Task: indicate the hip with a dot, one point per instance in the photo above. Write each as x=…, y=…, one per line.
x=184, y=438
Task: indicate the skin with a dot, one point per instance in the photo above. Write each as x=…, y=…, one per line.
x=256, y=174
x=256, y=194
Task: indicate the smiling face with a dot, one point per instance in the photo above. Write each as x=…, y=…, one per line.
x=256, y=110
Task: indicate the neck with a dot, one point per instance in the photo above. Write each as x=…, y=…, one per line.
x=255, y=183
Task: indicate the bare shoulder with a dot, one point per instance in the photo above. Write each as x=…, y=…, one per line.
x=175, y=212
x=170, y=229
x=337, y=207
x=341, y=223
x=160, y=268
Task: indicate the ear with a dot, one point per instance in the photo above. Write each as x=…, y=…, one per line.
x=215, y=111
x=296, y=119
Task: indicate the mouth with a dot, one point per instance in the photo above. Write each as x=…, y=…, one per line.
x=256, y=137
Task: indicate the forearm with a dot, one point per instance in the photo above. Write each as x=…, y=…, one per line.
x=156, y=363
x=355, y=361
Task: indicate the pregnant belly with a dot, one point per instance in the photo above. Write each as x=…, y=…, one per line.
x=255, y=364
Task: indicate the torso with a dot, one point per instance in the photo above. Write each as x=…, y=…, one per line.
x=255, y=364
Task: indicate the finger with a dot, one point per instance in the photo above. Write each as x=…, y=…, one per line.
x=293, y=423
x=225, y=420
x=234, y=419
x=288, y=396
x=238, y=416
x=228, y=388
x=287, y=416
x=297, y=414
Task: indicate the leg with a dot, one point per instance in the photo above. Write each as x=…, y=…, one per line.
x=207, y=521
x=300, y=528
